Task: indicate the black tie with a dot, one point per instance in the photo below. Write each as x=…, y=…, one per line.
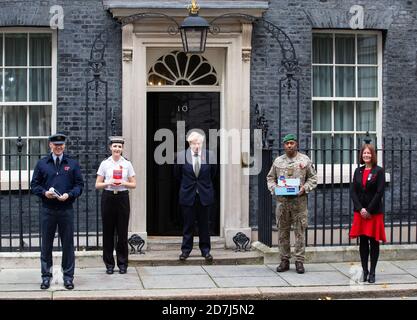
x=57, y=163
x=197, y=165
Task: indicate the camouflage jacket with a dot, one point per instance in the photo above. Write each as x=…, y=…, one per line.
x=298, y=167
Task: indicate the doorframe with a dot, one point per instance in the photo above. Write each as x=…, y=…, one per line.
x=165, y=90
x=235, y=94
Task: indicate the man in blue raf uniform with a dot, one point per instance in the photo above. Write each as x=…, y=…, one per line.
x=58, y=182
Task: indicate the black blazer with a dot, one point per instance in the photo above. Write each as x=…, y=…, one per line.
x=189, y=183
x=369, y=197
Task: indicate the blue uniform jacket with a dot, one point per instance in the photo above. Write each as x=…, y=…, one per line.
x=184, y=172
x=67, y=179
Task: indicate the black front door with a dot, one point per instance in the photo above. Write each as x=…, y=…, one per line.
x=199, y=110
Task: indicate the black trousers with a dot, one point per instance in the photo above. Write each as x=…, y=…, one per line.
x=64, y=220
x=115, y=211
x=190, y=215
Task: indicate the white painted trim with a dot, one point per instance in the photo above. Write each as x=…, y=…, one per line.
x=54, y=79
x=134, y=115
x=378, y=99
x=183, y=88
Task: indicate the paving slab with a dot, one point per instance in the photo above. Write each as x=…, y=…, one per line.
x=325, y=278
x=177, y=282
x=96, y=279
x=381, y=278
x=406, y=264
x=167, y=270
x=385, y=267
x=246, y=282
x=239, y=271
x=308, y=266
x=20, y=276
x=413, y=272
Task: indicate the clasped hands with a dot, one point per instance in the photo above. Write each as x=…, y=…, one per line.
x=365, y=214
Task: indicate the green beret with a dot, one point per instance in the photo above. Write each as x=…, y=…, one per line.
x=289, y=137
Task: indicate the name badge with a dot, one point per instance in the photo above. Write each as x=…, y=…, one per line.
x=369, y=177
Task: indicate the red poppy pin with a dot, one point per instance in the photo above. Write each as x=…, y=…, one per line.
x=66, y=168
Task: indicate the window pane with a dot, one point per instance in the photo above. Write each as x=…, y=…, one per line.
x=323, y=81
x=345, y=81
x=367, y=49
x=40, y=84
x=40, y=49
x=322, y=113
x=342, y=147
x=343, y=116
x=1, y=124
x=15, y=84
x=1, y=85
x=12, y=161
x=322, y=48
x=366, y=116
x=15, y=121
x=322, y=144
x=38, y=148
x=39, y=120
x=1, y=49
x=16, y=49
x=367, y=81
x=345, y=48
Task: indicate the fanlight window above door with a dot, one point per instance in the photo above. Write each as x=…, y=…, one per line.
x=178, y=69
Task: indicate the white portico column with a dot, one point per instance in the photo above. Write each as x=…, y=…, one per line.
x=238, y=188
x=135, y=150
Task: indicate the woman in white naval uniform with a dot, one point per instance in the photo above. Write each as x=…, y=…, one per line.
x=115, y=175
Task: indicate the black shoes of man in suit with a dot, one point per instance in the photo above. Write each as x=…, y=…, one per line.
x=46, y=283
x=110, y=270
x=207, y=256
x=68, y=284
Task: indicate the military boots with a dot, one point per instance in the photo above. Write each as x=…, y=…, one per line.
x=299, y=267
x=283, y=266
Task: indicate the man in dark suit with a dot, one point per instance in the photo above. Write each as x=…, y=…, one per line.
x=196, y=170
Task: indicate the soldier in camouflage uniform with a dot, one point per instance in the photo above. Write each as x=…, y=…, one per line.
x=292, y=210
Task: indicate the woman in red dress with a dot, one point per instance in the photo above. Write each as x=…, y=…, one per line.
x=368, y=219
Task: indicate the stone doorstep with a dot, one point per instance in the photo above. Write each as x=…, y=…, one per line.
x=265, y=293
x=335, y=254
x=150, y=258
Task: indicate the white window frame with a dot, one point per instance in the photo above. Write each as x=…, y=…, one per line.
x=345, y=178
x=9, y=179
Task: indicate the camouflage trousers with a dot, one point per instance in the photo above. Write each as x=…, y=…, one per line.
x=291, y=212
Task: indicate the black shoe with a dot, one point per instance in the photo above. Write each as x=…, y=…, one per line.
x=208, y=257
x=109, y=270
x=365, y=276
x=299, y=267
x=122, y=270
x=45, y=284
x=371, y=278
x=283, y=266
x=183, y=256
x=68, y=284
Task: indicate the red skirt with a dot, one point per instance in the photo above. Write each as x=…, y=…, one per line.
x=373, y=227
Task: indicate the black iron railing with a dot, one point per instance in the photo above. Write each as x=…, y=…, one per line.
x=330, y=206
x=20, y=210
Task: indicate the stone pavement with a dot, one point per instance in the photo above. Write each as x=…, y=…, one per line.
x=321, y=281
